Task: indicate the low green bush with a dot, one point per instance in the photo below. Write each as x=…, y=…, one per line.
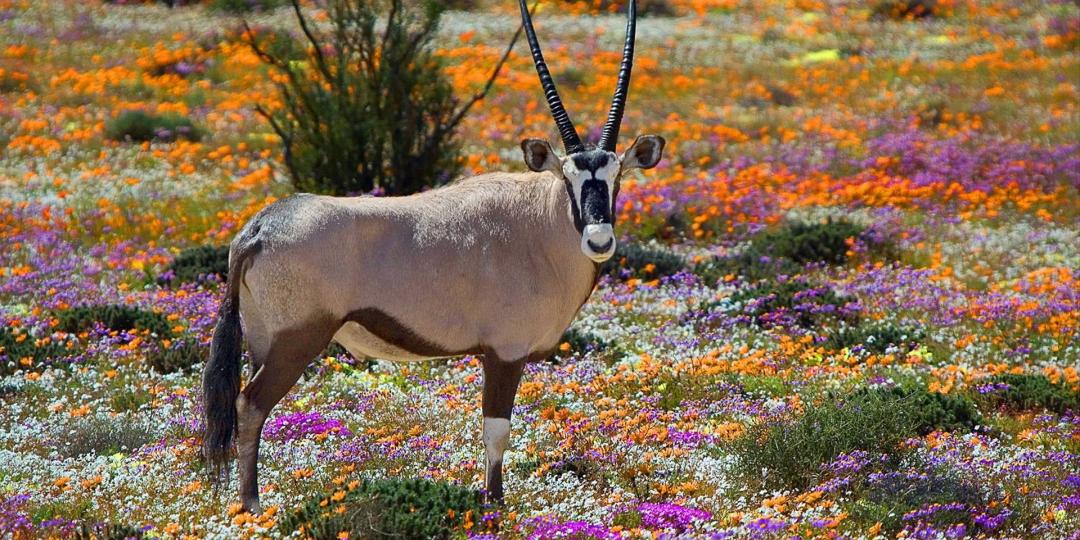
x=794, y=450
x=643, y=261
x=931, y=411
x=645, y=8
x=141, y=126
x=179, y=357
x=578, y=342
x=891, y=495
x=799, y=300
x=906, y=9
x=114, y=317
x=20, y=350
x=750, y=265
x=388, y=508
x=784, y=251
x=1027, y=392
x=245, y=6
x=803, y=243
x=109, y=531
x=194, y=265
x=875, y=338
x=101, y=436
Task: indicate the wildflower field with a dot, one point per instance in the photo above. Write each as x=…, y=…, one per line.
x=846, y=303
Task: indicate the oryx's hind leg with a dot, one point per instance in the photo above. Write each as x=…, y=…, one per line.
x=288, y=353
x=501, y=380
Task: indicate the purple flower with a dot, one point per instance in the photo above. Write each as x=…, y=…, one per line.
x=302, y=424
x=549, y=527
x=670, y=516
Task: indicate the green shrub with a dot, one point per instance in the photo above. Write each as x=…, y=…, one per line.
x=931, y=411
x=140, y=126
x=644, y=261
x=889, y=496
x=578, y=342
x=276, y=42
x=101, y=436
x=114, y=317
x=17, y=345
x=751, y=265
x=906, y=9
x=388, y=508
x=377, y=114
x=178, y=357
x=810, y=242
x=194, y=265
x=793, y=451
x=874, y=337
x=797, y=301
x=784, y=251
x=245, y=6
x=1028, y=392
x=645, y=8
x=109, y=531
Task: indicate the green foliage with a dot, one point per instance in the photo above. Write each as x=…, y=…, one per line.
x=751, y=265
x=931, y=411
x=245, y=6
x=645, y=8
x=378, y=113
x=1028, y=392
x=576, y=341
x=180, y=356
x=784, y=251
x=644, y=261
x=109, y=531
x=16, y=344
x=276, y=42
x=628, y=519
x=875, y=338
x=123, y=400
x=798, y=300
x=793, y=451
x=114, y=317
x=388, y=508
x=905, y=9
x=101, y=436
x=139, y=126
x=196, y=264
x=892, y=495
x=810, y=242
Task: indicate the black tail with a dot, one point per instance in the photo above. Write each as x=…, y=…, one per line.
x=221, y=376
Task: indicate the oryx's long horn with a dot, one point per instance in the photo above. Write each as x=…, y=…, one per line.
x=618, y=103
x=566, y=128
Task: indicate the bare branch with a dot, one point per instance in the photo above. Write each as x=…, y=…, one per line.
x=319, y=59
x=491, y=80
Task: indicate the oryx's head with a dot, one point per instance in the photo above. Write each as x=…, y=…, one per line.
x=591, y=173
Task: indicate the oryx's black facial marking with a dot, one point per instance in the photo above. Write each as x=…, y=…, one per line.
x=591, y=161
x=595, y=203
x=591, y=181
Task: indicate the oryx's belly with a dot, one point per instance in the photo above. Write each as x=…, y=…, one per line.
x=362, y=343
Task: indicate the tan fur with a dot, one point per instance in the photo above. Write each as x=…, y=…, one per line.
x=489, y=262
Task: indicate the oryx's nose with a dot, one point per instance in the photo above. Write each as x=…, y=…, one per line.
x=598, y=241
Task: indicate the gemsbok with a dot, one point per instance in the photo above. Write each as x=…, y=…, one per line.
x=495, y=265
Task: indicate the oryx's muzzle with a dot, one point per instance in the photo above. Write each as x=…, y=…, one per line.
x=598, y=242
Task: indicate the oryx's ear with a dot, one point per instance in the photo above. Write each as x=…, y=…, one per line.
x=540, y=157
x=645, y=153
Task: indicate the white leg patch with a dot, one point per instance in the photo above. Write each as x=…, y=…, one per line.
x=496, y=439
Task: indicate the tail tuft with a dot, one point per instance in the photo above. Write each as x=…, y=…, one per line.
x=221, y=386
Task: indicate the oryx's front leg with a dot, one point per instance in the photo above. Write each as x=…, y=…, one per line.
x=501, y=380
